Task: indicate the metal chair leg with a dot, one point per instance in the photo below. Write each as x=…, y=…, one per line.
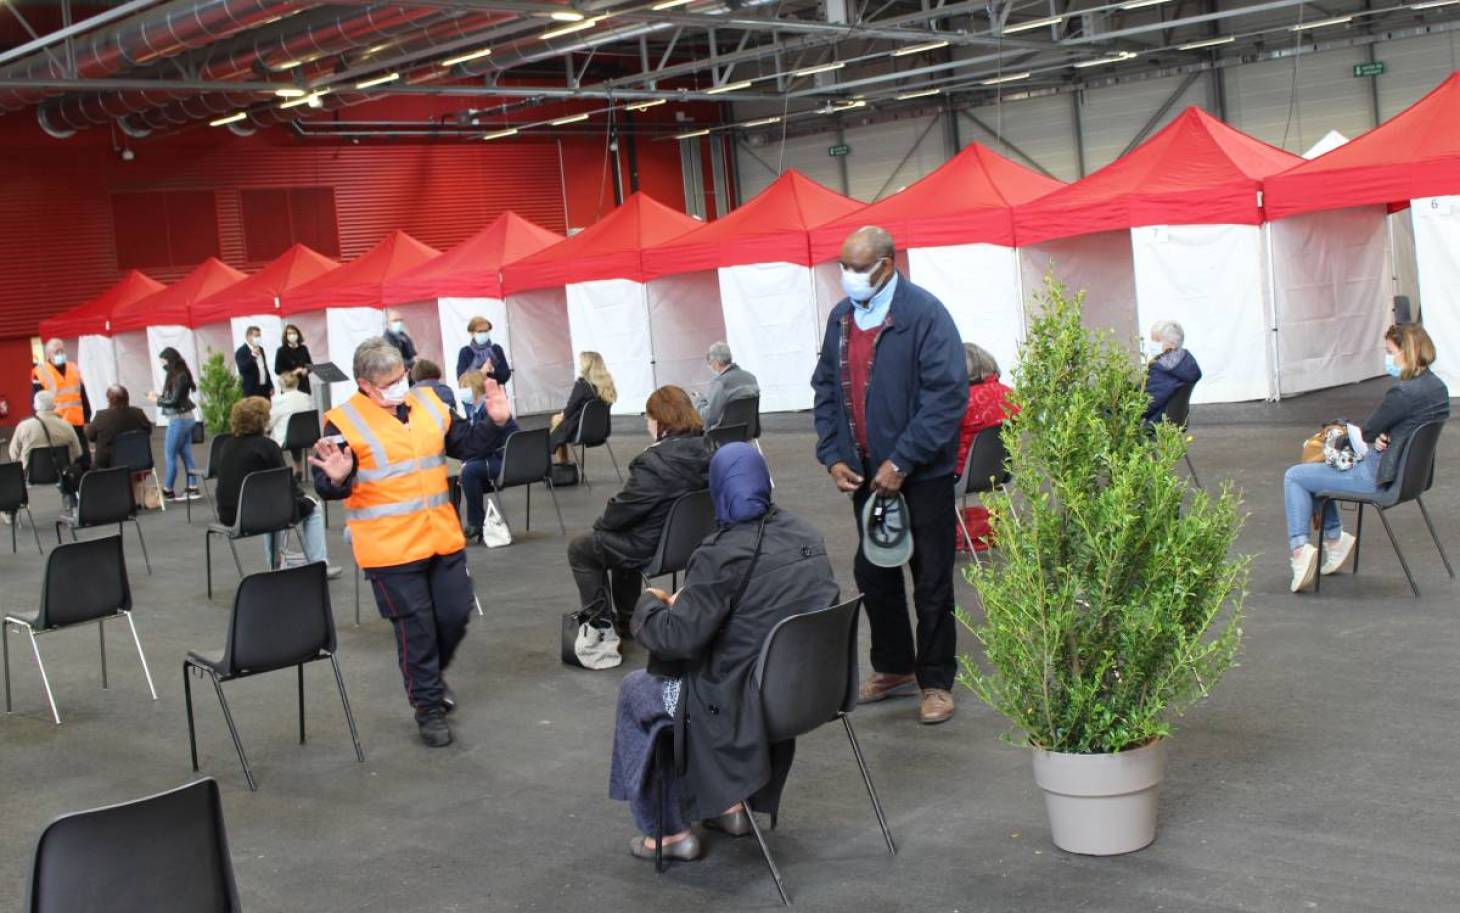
x=140, y=655
x=357, y=595
x=58, y=532
x=208, y=559
x=1319, y=507
x=867, y=779
x=609, y=447
x=45, y=679
x=233, y=547
x=101, y=636
x=1192, y=469
x=583, y=467
x=349, y=716
x=301, y=703
x=1398, y=551
x=1358, y=536
x=233, y=731
x=140, y=538
x=1438, y=547
x=766, y=852
x=188, y=701
x=5, y=649
x=35, y=532
x=967, y=536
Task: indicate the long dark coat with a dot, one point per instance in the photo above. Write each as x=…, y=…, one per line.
x=633, y=519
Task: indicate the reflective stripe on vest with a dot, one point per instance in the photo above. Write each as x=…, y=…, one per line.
x=400, y=508
x=65, y=386
x=391, y=470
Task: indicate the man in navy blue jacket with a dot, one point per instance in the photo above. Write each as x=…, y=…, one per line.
x=1171, y=367
x=891, y=386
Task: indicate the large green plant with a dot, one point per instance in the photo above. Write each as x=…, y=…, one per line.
x=1117, y=601
x=218, y=390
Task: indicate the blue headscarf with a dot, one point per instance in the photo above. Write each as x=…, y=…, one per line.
x=740, y=484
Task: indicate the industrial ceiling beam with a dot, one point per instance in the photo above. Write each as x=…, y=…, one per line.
x=45, y=41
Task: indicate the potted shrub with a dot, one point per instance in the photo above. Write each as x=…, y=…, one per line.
x=218, y=390
x=1116, y=602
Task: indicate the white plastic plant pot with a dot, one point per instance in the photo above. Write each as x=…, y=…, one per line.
x=1101, y=804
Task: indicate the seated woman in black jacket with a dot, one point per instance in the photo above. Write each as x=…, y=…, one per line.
x=252, y=450
x=606, y=562
x=1419, y=397
x=763, y=565
x=594, y=382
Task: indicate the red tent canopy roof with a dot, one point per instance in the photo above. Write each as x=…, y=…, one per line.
x=967, y=200
x=361, y=282
x=610, y=248
x=473, y=268
x=1416, y=153
x=173, y=305
x=1195, y=171
x=257, y=293
x=90, y=318
x=772, y=227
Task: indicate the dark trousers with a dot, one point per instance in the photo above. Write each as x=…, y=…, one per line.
x=602, y=583
x=84, y=461
x=428, y=603
x=931, y=510
x=476, y=481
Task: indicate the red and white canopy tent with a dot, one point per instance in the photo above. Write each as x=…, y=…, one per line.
x=956, y=225
x=86, y=330
x=343, y=307
x=466, y=282
x=143, y=328
x=1174, y=230
x=219, y=321
x=762, y=293
x=1411, y=160
x=596, y=282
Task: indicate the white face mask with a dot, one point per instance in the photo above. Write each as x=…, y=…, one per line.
x=293, y=338
x=253, y=342
x=481, y=339
x=858, y=286
x=395, y=394
x=397, y=326
x=58, y=359
x=1153, y=349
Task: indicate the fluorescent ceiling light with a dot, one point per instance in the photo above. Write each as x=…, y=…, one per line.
x=230, y=119
x=729, y=87
x=572, y=119
x=1142, y=4
x=998, y=80
x=1213, y=42
x=288, y=65
x=501, y=134
x=1322, y=23
x=924, y=93
x=300, y=93
x=312, y=99
x=377, y=81
x=933, y=46
x=1432, y=4
x=847, y=106
x=822, y=68
x=669, y=4
x=692, y=134
x=569, y=16
x=570, y=29
x=1032, y=24
x=644, y=105
x=463, y=58
x=763, y=122
x=1117, y=58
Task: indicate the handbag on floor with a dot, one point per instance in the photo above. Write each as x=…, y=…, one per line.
x=588, y=646
x=563, y=475
x=495, y=532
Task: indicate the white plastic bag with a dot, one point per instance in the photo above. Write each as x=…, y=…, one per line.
x=495, y=532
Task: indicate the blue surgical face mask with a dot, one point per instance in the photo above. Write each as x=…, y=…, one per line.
x=481, y=339
x=58, y=359
x=466, y=395
x=1391, y=365
x=397, y=326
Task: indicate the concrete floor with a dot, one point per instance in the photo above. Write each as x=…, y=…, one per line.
x=1319, y=776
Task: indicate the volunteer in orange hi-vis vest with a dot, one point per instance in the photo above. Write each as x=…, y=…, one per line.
x=383, y=452
x=62, y=379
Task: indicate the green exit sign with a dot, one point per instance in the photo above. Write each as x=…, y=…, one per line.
x=1369, y=69
x=838, y=149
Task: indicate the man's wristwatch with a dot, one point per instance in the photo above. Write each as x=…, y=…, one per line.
x=901, y=473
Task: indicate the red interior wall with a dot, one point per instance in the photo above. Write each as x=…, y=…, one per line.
x=15, y=379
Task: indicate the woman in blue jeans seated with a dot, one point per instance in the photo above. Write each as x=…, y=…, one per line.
x=762, y=565
x=479, y=476
x=1418, y=398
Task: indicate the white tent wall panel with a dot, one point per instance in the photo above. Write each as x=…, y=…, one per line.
x=685, y=319
x=133, y=371
x=543, y=358
x=826, y=284
x=1111, y=117
x=423, y=323
x=1212, y=280
x=345, y=329
x=96, y=357
x=161, y=337
x=1436, y=234
x=1331, y=297
x=772, y=327
x=1404, y=259
x=981, y=287
x=218, y=339
x=1101, y=265
x=611, y=317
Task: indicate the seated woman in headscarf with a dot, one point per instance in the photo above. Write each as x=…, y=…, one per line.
x=762, y=565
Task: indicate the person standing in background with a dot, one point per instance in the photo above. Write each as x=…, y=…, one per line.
x=396, y=335
x=293, y=357
x=56, y=375
x=481, y=354
x=175, y=404
x=253, y=367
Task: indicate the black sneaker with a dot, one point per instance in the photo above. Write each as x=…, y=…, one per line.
x=434, y=731
x=193, y=494
x=167, y=495
x=448, y=697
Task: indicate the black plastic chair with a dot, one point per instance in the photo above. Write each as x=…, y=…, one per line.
x=1413, y=477
x=104, y=497
x=984, y=469
x=690, y=519
x=744, y=411
x=301, y=433
x=595, y=424
x=1178, y=412
x=526, y=461
x=133, y=450
x=723, y=434
x=162, y=852
x=14, y=498
x=280, y=619
x=44, y=465
x=210, y=472
x=266, y=504
x=84, y=582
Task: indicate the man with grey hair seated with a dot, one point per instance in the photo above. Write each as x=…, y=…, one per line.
x=383, y=453
x=44, y=429
x=731, y=383
x=1171, y=367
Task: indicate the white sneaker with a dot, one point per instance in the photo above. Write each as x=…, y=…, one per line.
x=1335, y=554
x=1305, y=567
x=333, y=572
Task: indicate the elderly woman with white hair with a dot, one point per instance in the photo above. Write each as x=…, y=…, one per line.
x=44, y=429
x=1171, y=367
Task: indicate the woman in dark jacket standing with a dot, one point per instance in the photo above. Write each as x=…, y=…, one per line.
x=293, y=355
x=481, y=354
x=763, y=565
x=606, y=562
x=1419, y=398
x=175, y=405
